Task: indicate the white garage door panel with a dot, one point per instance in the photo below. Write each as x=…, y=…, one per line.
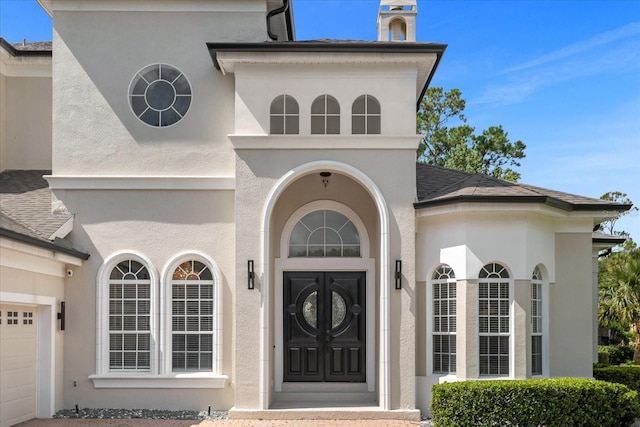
x=18, y=338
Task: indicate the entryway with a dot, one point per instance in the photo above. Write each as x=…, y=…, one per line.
x=324, y=323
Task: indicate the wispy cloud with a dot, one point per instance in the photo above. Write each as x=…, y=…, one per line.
x=629, y=30
x=606, y=52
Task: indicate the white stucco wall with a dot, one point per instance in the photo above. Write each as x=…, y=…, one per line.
x=98, y=50
x=158, y=225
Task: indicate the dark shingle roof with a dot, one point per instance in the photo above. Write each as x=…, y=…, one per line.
x=39, y=49
x=25, y=210
x=440, y=186
x=46, y=45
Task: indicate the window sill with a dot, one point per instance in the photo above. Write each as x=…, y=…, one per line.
x=186, y=380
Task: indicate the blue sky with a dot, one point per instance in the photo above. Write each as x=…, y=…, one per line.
x=562, y=76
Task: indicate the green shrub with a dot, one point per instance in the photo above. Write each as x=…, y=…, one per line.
x=627, y=375
x=603, y=358
x=618, y=354
x=563, y=402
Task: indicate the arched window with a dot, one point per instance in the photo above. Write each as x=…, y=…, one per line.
x=325, y=116
x=444, y=319
x=536, y=322
x=494, y=308
x=285, y=116
x=192, y=318
x=365, y=115
x=324, y=233
x=129, y=321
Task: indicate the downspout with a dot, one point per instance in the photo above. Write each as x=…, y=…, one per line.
x=274, y=12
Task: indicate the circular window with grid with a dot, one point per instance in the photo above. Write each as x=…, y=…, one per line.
x=160, y=95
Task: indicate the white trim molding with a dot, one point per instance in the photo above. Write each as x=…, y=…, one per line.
x=325, y=142
x=137, y=182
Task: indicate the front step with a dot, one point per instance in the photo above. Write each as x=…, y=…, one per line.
x=285, y=400
x=326, y=413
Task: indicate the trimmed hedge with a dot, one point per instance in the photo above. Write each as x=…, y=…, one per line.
x=627, y=375
x=563, y=402
x=618, y=354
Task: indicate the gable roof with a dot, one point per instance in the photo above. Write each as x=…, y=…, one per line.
x=437, y=186
x=25, y=211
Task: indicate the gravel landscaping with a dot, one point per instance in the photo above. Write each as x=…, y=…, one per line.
x=152, y=414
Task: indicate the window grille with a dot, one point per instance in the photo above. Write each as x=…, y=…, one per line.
x=365, y=115
x=285, y=116
x=193, y=320
x=536, y=322
x=325, y=116
x=444, y=320
x=324, y=233
x=494, y=318
x=129, y=317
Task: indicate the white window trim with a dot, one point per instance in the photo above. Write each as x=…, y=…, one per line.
x=157, y=377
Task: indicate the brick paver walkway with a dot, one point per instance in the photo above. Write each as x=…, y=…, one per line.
x=221, y=423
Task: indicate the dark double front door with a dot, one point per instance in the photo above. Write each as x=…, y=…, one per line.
x=324, y=326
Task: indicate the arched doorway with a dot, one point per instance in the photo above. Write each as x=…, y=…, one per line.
x=282, y=199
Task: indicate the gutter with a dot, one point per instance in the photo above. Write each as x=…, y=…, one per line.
x=18, y=52
x=274, y=12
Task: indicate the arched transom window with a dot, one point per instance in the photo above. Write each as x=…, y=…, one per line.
x=365, y=115
x=192, y=317
x=285, y=116
x=324, y=233
x=494, y=318
x=325, y=116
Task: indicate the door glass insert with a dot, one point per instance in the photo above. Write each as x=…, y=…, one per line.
x=338, y=309
x=310, y=309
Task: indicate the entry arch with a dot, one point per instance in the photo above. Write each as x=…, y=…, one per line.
x=266, y=355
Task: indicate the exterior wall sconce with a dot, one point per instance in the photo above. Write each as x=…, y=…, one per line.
x=61, y=315
x=325, y=178
x=250, y=275
x=398, y=274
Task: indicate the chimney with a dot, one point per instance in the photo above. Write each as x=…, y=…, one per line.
x=397, y=20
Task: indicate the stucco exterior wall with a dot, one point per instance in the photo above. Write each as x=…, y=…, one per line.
x=25, y=137
x=158, y=225
x=571, y=307
x=392, y=85
x=96, y=55
x=257, y=172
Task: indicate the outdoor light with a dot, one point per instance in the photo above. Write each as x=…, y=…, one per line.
x=325, y=178
x=251, y=274
x=398, y=274
x=61, y=315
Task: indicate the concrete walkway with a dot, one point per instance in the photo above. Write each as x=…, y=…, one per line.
x=61, y=422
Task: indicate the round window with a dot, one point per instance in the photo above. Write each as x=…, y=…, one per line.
x=160, y=95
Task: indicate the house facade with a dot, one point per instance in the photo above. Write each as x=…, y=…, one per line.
x=241, y=223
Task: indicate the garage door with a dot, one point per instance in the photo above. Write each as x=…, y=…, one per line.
x=18, y=339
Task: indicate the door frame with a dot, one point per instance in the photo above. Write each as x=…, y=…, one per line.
x=361, y=264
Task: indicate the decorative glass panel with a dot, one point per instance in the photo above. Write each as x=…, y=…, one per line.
x=338, y=309
x=324, y=233
x=310, y=309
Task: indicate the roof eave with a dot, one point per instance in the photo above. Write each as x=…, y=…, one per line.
x=19, y=52
x=545, y=200
x=42, y=244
